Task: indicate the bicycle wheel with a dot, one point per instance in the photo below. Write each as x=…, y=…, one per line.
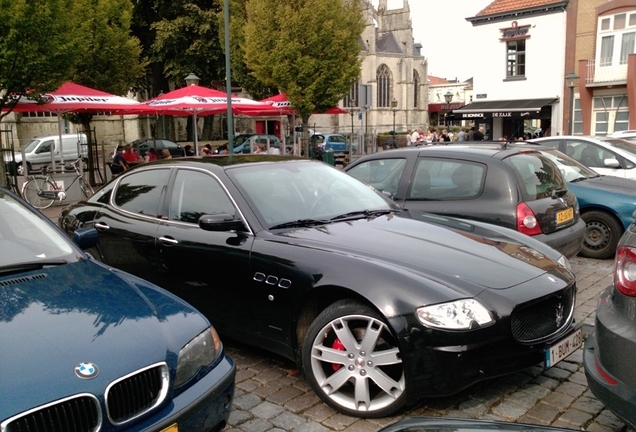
x=31, y=189
x=87, y=190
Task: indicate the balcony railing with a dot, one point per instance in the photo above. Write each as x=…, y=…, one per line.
x=596, y=74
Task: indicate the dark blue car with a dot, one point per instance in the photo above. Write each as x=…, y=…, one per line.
x=606, y=204
x=86, y=347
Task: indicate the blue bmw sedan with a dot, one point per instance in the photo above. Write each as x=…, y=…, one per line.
x=86, y=347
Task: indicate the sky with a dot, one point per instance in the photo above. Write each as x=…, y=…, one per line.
x=441, y=27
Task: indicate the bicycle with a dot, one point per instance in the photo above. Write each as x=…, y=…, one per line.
x=42, y=190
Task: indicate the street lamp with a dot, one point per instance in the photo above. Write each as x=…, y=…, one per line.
x=192, y=79
x=448, y=97
x=352, y=106
x=394, y=103
x=570, y=80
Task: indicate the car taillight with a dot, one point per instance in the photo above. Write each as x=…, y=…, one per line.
x=526, y=220
x=625, y=271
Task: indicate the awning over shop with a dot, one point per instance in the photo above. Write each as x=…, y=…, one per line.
x=503, y=108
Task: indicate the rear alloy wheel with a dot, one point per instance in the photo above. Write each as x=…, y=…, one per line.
x=353, y=363
x=602, y=233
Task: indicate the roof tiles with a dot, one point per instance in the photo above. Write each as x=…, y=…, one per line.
x=500, y=6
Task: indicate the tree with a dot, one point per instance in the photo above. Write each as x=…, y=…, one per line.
x=241, y=74
x=109, y=57
x=308, y=49
x=37, y=50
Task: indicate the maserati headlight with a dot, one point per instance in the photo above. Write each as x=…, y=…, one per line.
x=458, y=315
x=199, y=353
x=564, y=262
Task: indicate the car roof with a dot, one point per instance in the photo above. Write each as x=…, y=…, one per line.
x=476, y=150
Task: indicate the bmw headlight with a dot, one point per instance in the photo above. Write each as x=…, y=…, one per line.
x=199, y=353
x=458, y=315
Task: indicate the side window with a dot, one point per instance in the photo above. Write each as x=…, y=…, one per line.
x=46, y=147
x=140, y=193
x=590, y=155
x=383, y=174
x=196, y=194
x=441, y=179
x=550, y=143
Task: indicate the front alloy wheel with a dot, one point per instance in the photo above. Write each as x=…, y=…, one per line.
x=353, y=363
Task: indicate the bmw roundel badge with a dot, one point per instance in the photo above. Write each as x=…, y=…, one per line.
x=86, y=370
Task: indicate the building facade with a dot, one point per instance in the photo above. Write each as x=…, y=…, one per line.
x=518, y=72
x=601, y=44
x=392, y=88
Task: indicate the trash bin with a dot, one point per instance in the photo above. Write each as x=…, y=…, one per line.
x=327, y=157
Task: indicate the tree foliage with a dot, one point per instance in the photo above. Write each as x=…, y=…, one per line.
x=109, y=58
x=187, y=40
x=241, y=73
x=38, y=47
x=306, y=48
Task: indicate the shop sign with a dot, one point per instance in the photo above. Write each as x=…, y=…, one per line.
x=515, y=32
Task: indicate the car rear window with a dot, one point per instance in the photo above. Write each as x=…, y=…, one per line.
x=539, y=177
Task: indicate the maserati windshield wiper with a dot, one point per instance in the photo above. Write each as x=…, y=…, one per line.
x=362, y=214
x=300, y=223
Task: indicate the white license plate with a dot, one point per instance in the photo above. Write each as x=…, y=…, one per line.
x=563, y=348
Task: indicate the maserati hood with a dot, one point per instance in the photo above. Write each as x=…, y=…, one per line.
x=448, y=250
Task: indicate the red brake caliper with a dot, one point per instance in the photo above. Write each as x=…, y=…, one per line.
x=338, y=346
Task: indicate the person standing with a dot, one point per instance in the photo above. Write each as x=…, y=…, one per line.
x=478, y=135
x=415, y=137
x=461, y=135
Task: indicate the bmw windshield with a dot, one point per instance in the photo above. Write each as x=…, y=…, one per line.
x=27, y=240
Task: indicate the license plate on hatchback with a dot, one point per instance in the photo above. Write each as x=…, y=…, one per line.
x=564, y=215
x=563, y=348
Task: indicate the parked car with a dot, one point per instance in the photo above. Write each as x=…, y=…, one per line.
x=142, y=146
x=246, y=143
x=606, y=204
x=336, y=142
x=610, y=351
x=517, y=188
x=378, y=306
x=605, y=155
x=86, y=347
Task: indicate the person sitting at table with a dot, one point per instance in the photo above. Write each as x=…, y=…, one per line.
x=130, y=155
x=119, y=163
x=165, y=154
x=188, y=150
x=151, y=155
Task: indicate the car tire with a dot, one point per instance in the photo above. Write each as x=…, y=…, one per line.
x=602, y=233
x=353, y=362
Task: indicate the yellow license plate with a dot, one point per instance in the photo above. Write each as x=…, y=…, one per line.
x=564, y=215
x=171, y=428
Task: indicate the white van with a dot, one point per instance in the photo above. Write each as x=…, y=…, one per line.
x=38, y=152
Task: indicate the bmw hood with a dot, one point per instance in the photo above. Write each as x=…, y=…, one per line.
x=75, y=328
x=451, y=251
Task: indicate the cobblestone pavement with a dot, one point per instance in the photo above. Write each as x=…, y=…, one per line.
x=271, y=396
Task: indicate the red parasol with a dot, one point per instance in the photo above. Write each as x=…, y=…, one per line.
x=280, y=101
